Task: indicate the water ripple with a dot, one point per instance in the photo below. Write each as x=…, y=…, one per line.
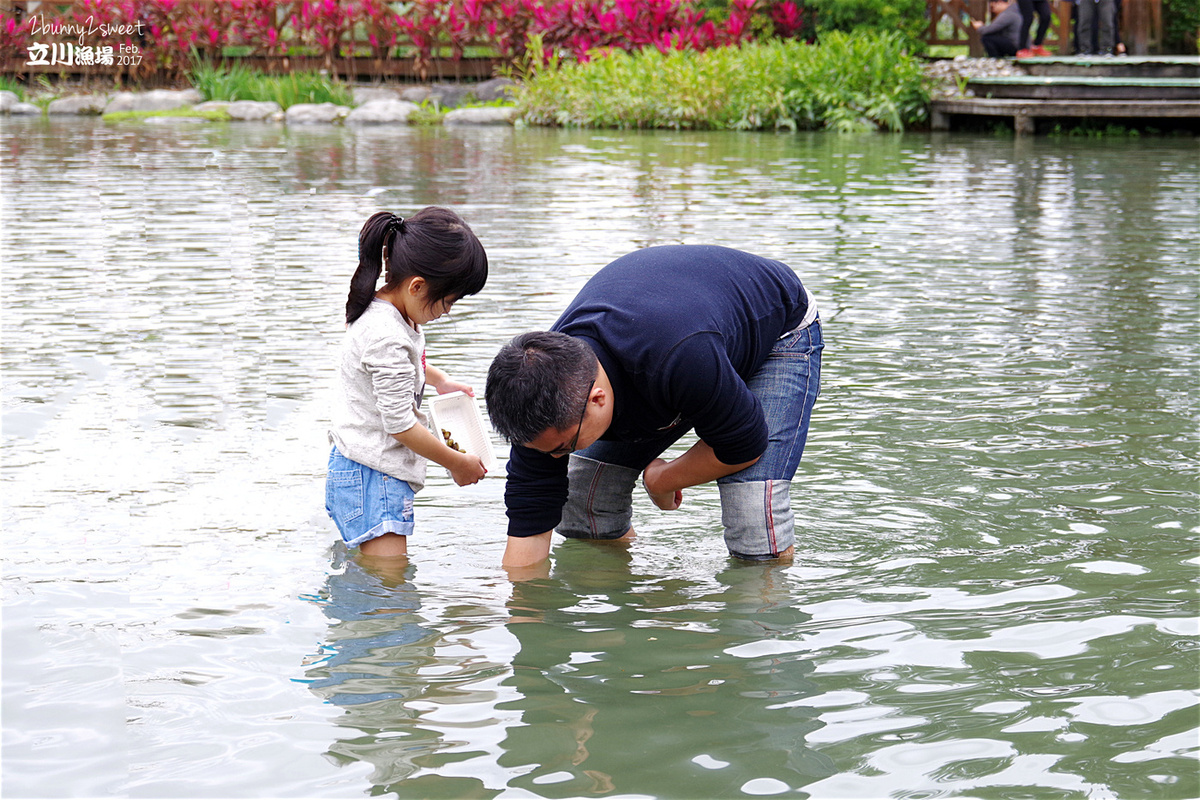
x=994, y=583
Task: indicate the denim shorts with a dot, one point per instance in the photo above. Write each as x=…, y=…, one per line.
x=365, y=503
x=755, y=503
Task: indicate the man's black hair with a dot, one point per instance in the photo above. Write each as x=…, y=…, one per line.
x=538, y=381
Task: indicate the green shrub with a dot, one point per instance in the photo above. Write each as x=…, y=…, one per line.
x=237, y=82
x=1181, y=26
x=859, y=16
x=845, y=83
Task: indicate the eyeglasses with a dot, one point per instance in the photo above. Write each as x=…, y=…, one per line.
x=570, y=448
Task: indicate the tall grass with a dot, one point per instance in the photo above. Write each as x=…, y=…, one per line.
x=859, y=82
x=237, y=82
x=13, y=85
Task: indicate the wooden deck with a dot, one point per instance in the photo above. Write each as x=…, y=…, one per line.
x=1117, y=90
x=1024, y=113
x=1114, y=67
x=1087, y=87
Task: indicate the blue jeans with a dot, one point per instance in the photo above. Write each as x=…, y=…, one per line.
x=755, y=503
x=365, y=503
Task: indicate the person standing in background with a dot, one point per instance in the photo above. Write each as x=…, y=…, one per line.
x=1097, y=27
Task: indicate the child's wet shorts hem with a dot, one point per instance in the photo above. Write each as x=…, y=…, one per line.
x=365, y=503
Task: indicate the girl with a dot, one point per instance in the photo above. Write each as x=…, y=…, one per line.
x=379, y=435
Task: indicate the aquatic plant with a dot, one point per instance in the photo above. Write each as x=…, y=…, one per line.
x=212, y=115
x=844, y=83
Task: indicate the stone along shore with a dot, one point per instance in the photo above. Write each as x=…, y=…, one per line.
x=372, y=105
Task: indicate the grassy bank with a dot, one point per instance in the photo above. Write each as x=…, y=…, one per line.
x=845, y=83
x=239, y=83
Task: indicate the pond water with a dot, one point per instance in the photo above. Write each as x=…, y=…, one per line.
x=994, y=589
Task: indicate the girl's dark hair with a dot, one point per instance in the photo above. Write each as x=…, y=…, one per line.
x=537, y=381
x=434, y=244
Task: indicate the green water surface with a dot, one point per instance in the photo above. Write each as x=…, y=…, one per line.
x=994, y=588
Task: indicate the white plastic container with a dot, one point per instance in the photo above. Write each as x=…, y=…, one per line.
x=459, y=413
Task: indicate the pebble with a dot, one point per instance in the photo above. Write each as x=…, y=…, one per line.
x=946, y=73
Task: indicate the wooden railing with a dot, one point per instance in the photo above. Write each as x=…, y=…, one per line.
x=350, y=50
x=354, y=58
x=1140, y=25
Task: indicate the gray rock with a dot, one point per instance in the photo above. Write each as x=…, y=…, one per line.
x=494, y=89
x=155, y=100
x=415, y=94
x=485, y=115
x=124, y=101
x=310, y=113
x=255, y=110
x=82, y=104
x=212, y=105
x=24, y=110
x=8, y=100
x=378, y=112
x=369, y=94
x=449, y=95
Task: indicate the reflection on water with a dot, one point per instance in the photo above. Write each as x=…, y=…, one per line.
x=994, y=586
x=599, y=679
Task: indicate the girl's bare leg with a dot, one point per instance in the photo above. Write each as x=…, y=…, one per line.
x=389, y=545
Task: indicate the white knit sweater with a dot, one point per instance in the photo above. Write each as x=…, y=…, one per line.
x=381, y=379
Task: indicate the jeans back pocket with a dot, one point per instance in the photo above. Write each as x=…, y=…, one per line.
x=344, y=495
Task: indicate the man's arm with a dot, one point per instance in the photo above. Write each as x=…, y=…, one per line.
x=534, y=494
x=666, y=480
x=525, y=556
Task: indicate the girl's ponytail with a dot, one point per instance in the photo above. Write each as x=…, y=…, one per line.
x=372, y=241
x=434, y=244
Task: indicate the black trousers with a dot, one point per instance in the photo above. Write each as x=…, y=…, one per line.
x=1028, y=8
x=997, y=45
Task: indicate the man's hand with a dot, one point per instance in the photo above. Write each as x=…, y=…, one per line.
x=666, y=499
x=666, y=480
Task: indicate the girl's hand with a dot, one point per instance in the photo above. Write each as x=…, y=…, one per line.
x=466, y=469
x=454, y=386
x=441, y=382
x=666, y=500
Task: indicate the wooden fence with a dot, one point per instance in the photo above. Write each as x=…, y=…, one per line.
x=354, y=58
x=353, y=53
x=1140, y=25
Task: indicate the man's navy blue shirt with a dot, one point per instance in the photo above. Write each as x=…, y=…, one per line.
x=679, y=330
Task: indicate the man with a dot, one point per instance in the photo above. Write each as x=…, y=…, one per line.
x=659, y=342
x=1003, y=36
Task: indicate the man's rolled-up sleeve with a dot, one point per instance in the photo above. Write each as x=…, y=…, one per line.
x=535, y=492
